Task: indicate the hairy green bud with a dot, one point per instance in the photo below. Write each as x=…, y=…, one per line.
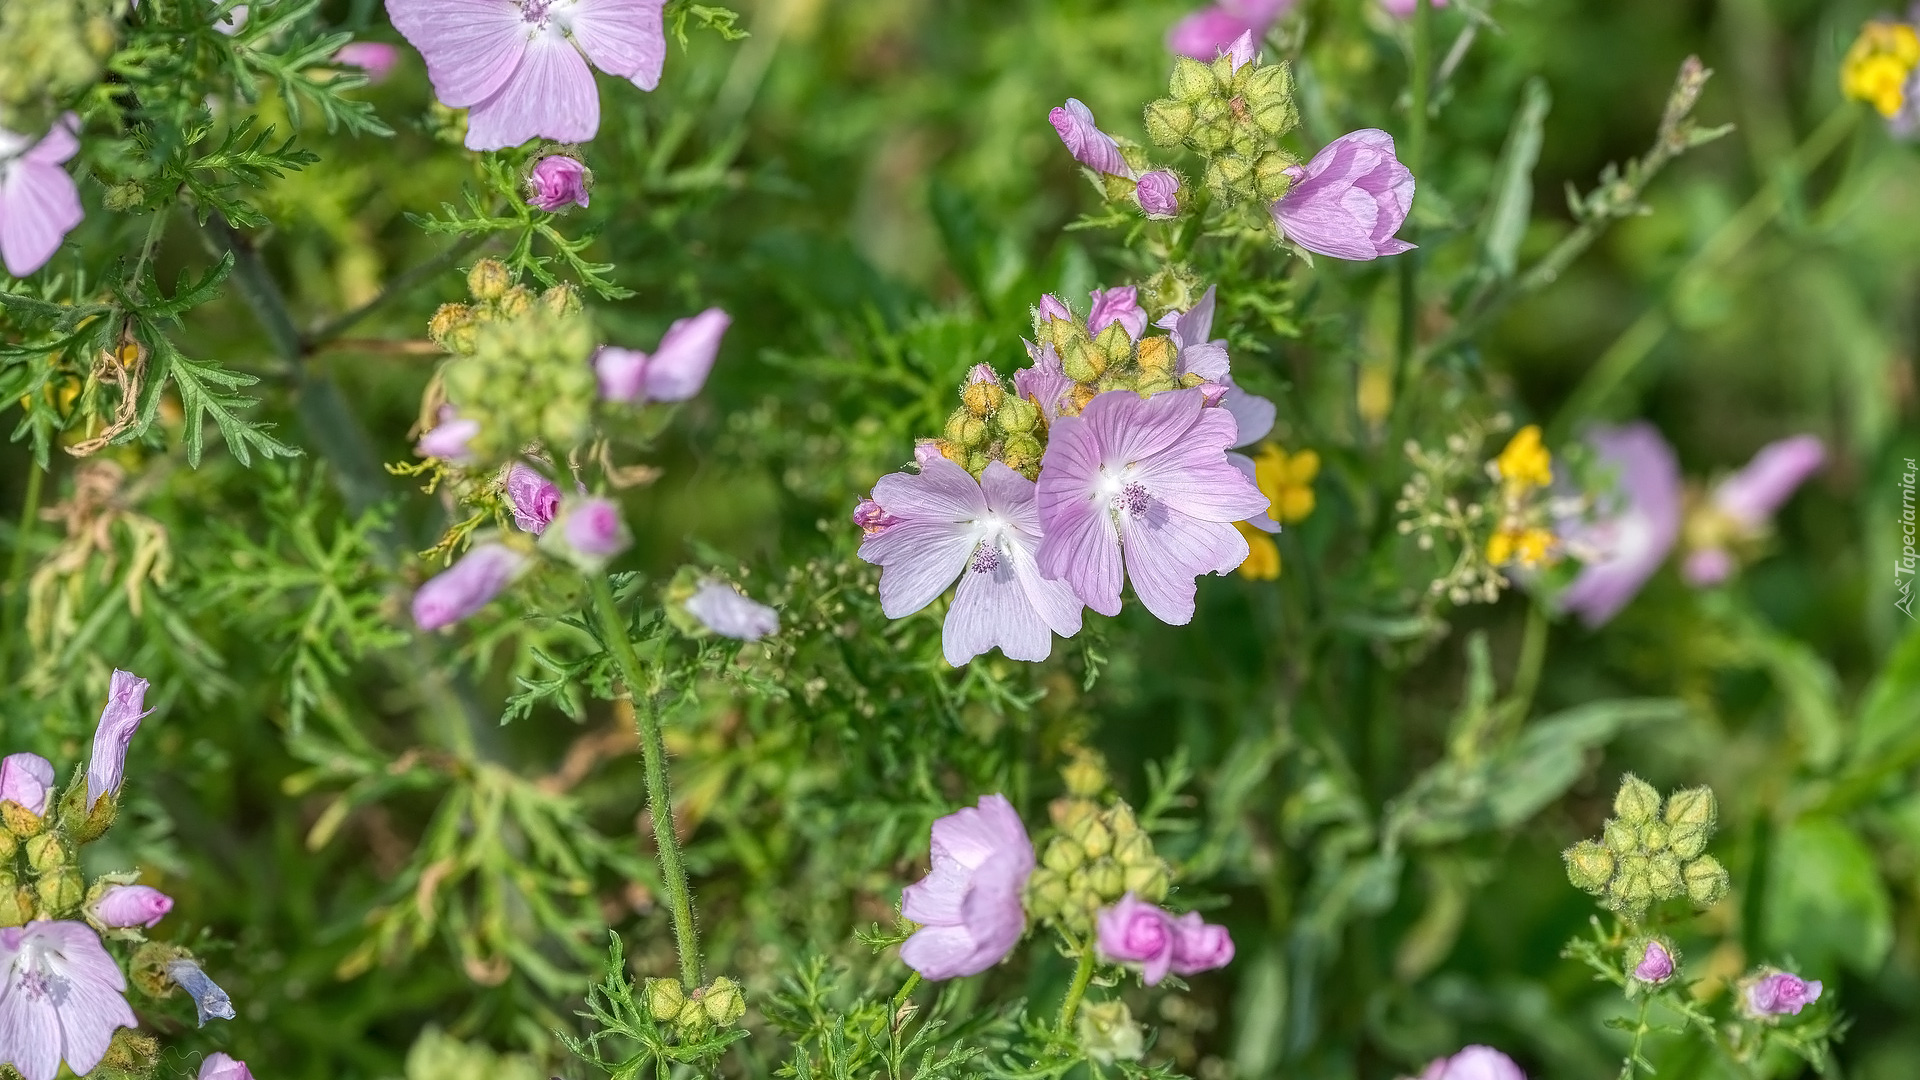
x=1230, y=178
x=1095, y=838
x=1082, y=362
x=1589, y=866
x=1663, y=875
x=1191, y=80
x=1114, y=345
x=1064, y=855
x=723, y=1002
x=1017, y=416
x=665, y=999
x=1619, y=837
x=1211, y=136
x=1168, y=121
x=60, y=892
x=1108, y=1034
x=489, y=280
x=45, y=852
x=1636, y=803
x=1147, y=881
x=1706, y=881
x=1631, y=889
x=1107, y=880
x=1270, y=177
x=1135, y=848
x=1690, y=816
x=1022, y=454
x=1046, y=893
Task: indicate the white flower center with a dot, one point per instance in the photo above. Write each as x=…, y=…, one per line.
x=38, y=978
x=988, y=531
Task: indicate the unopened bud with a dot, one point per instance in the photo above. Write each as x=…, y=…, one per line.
x=1018, y=415
x=16, y=903
x=1147, y=881
x=1046, y=892
x=1637, y=802
x=1168, y=121
x=448, y=321
x=20, y=821
x=1082, y=362
x=562, y=299
x=1589, y=866
x=1108, y=1033
x=1067, y=813
x=665, y=999
x=1191, y=80
x=60, y=892
x=46, y=853
x=1619, y=836
x=1022, y=453
x=982, y=398
x=1230, y=177
x=1271, y=175
x=1663, y=875
x=977, y=461
x=1107, y=880
x=1156, y=356
x=1134, y=849
x=723, y=1002
x=1688, y=841
x=1212, y=136
x=516, y=301
x=121, y=198
x=1691, y=807
x=1706, y=881
x=1064, y=856
x=1114, y=344
x=489, y=280
x=1095, y=839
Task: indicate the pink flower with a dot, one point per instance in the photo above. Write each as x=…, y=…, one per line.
x=118, y=721
x=945, y=525
x=1474, y=1063
x=130, y=905
x=1404, y=8
x=1779, y=993
x=219, y=1066
x=449, y=441
x=722, y=610
x=62, y=999
x=1135, y=932
x=1159, y=194
x=1148, y=479
x=1051, y=308
x=467, y=586
x=1089, y=145
x=1349, y=200
x=872, y=517
x=968, y=905
x=1747, y=501
x=1635, y=530
x=534, y=498
x=1120, y=304
x=1044, y=383
x=518, y=64
x=39, y=203
x=1656, y=964
x=594, y=528
x=1211, y=31
x=1199, y=945
x=677, y=369
x=27, y=779
x=557, y=182
x=376, y=58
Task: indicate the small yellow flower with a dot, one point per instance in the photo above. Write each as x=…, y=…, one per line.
x=1263, y=555
x=1287, y=482
x=1525, y=463
x=1878, y=65
x=1530, y=547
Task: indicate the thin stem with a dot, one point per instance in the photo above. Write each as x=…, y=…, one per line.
x=17, y=567
x=399, y=286
x=653, y=754
x=1631, y=1067
x=1082, y=975
x=1526, y=674
x=1420, y=83
x=152, y=243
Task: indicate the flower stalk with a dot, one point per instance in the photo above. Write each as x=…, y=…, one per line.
x=653, y=755
x=1082, y=975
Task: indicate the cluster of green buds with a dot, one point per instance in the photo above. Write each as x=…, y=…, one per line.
x=1097, y=855
x=717, y=1005
x=510, y=339
x=50, y=886
x=1647, y=853
x=1231, y=112
x=993, y=424
x=49, y=49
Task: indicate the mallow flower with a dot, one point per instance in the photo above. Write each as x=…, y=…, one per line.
x=1089, y=145
x=1212, y=30
x=218, y=1066
x=1158, y=193
x=721, y=609
x=588, y=532
x=1134, y=932
x=945, y=524
x=1656, y=963
x=517, y=65
x=1474, y=1063
x=62, y=999
x=968, y=905
x=1198, y=352
x=27, y=780
x=1741, y=506
x=1349, y=200
x=121, y=906
x=1120, y=304
x=1635, y=528
x=39, y=203
x=448, y=440
x=1778, y=993
x=557, y=182
x=1147, y=481
x=376, y=58
x=674, y=372
x=533, y=498
x=126, y=695
x=209, y=1001
x=467, y=586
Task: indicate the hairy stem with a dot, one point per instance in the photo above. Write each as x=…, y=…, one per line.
x=653, y=754
x=1082, y=975
x=1631, y=1066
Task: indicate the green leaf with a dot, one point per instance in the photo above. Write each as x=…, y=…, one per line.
x=1825, y=905
x=1506, y=222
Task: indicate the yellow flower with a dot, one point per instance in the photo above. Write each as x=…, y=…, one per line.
x=1877, y=67
x=1263, y=555
x=1525, y=463
x=1287, y=482
x=1530, y=547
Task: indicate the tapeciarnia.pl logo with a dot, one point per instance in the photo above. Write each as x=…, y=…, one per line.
x=1904, y=566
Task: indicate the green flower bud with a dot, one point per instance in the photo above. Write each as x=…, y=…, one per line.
x=1046, y=893
x=1068, y=813
x=1064, y=856
x=1270, y=177
x=449, y=320
x=1156, y=356
x=665, y=999
x=562, y=300
x=1082, y=362
x=1230, y=178
x=1095, y=838
x=1211, y=136
x=1706, y=881
x=515, y=302
x=45, y=853
x=1022, y=454
x=1269, y=98
x=60, y=892
x=982, y=399
x=8, y=845
x=956, y=426
x=1589, y=866
x=1692, y=807
x=1631, y=889
x=1106, y=879
x=121, y=198
x=130, y=1053
x=1108, y=1034
x=1688, y=841
x=1018, y=416
x=20, y=821
x=1114, y=345
x=1134, y=848
x=1663, y=875
x=1148, y=881
x=1619, y=836
x=489, y=280
x=1637, y=802
x=977, y=462
x=723, y=1002
x=1224, y=77
x=1653, y=836
x=1191, y=80
x=1168, y=121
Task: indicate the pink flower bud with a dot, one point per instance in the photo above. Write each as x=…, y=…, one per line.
x=1117, y=305
x=1090, y=146
x=219, y=1066
x=467, y=586
x=118, y=721
x=1135, y=932
x=1656, y=964
x=557, y=182
x=1158, y=193
x=130, y=905
x=376, y=58
x=1349, y=200
x=1199, y=945
x=1474, y=1063
x=27, y=779
x=1050, y=309
x=534, y=498
x=593, y=527
x=1780, y=993
x=449, y=440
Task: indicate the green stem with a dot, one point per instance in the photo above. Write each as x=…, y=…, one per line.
x=1526, y=674
x=17, y=567
x=401, y=284
x=1082, y=975
x=1631, y=1067
x=1419, y=84
x=653, y=754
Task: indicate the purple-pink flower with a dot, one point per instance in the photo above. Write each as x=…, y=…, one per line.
x=1089, y=145
x=968, y=905
x=1050, y=308
x=130, y=905
x=467, y=586
x=62, y=999
x=1656, y=964
x=1147, y=481
x=219, y=1066
x=722, y=610
x=1120, y=304
x=1635, y=528
x=674, y=372
x=1746, y=501
x=593, y=527
x=1159, y=194
x=1045, y=382
x=126, y=696
x=376, y=58
x=1135, y=932
x=1349, y=200
x=1211, y=31
x=557, y=182
x=27, y=779
x=533, y=498
x=1779, y=993
x=1474, y=1063
x=39, y=203
x=448, y=441
x=945, y=524
x=518, y=64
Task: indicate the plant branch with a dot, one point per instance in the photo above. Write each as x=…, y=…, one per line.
x=1082, y=975
x=402, y=283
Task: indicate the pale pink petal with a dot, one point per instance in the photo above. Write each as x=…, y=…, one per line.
x=1081, y=544
x=991, y=609
x=1090, y=146
x=622, y=37
x=936, y=952
x=1167, y=550
x=39, y=205
x=1753, y=494
x=59, y=144
x=917, y=560
x=551, y=95
x=1129, y=429
x=1252, y=414
x=941, y=491
x=679, y=367
x=1196, y=475
x=471, y=47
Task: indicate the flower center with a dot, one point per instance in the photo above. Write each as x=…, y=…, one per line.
x=986, y=558
x=37, y=977
x=1132, y=498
